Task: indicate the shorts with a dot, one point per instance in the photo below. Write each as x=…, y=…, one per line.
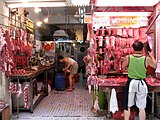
x=83, y=68
x=74, y=69
x=137, y=94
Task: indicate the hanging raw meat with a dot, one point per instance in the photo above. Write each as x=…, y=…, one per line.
x=100, y=41
x=7, y=54
x=112, y=42
x=106, y=33
x=114, y=31
x=119, y=31
x=143, y=40
x=2, y=41
x=130, y=32
x=131, y=42
x=142, y=32
x=99, y=31
x=123, y=42
x=116, y=65
x=101, y=67
x=103, y=29
x=110, y=32
x=92, y=80
x=126, y=51
x=92, y=52
x=95, y=44
x=124, y=32
x=25, y=38
x=136, y=34
x=89, y=33
x=128, y=42
x=118, y=42
x=100, y=50
x=108, y=52
x=107, y=42
x=91, y=68
x=19, y=90
x=12, y=87
x=26, y=96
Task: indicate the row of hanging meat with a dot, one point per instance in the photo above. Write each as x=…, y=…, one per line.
x=112, y=44
x=13, y=42
x=17, y=89
x=104, y=64
x=122, y=32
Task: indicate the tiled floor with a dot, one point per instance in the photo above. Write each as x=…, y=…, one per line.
x=62, y=105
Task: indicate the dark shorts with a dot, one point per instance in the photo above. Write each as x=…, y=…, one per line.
x=83, y=68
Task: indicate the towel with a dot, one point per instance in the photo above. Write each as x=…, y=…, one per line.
x=113, y=101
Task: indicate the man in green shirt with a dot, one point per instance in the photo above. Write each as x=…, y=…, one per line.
x=136, y=88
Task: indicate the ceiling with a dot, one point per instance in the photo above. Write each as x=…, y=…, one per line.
x=64, y=17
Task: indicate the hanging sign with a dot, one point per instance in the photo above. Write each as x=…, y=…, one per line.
x=100, y=19
x=87, y=18
x=30, y=25
x=118, y=19
x=128, y=21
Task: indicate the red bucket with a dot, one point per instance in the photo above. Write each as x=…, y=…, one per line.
x=119, y=115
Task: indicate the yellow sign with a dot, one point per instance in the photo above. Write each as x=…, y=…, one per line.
x=87, y=19
x=111, y=20
x=30, y=25
x=128, y=21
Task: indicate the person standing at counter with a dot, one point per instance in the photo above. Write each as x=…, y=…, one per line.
x=136, y=89
x=72, y=67
x=67, y=53
x=80, y=61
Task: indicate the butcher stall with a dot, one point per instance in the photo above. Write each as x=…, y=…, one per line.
x=25, y=78
x=111, y=35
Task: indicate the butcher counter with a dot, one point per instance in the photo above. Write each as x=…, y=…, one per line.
x=106, y=85
x=31, y=77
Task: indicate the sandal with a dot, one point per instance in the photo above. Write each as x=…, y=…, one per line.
x=69, y=90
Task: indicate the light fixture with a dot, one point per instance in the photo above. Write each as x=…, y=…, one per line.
x=80, y=3
x=126, y=2
x=46, y=20
x=24, y=1
x=48, y=16
x=74, y=44
x=39, y=24
x=101, y=15
x=35, y=4
x=37, y=10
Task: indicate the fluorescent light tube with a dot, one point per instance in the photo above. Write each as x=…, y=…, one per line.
x=36, y=4
x=81, y=2
x=126, y=2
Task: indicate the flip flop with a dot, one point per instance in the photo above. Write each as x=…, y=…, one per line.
x=69, y=90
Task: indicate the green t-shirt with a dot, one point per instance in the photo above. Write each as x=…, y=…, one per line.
x=137, y=68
